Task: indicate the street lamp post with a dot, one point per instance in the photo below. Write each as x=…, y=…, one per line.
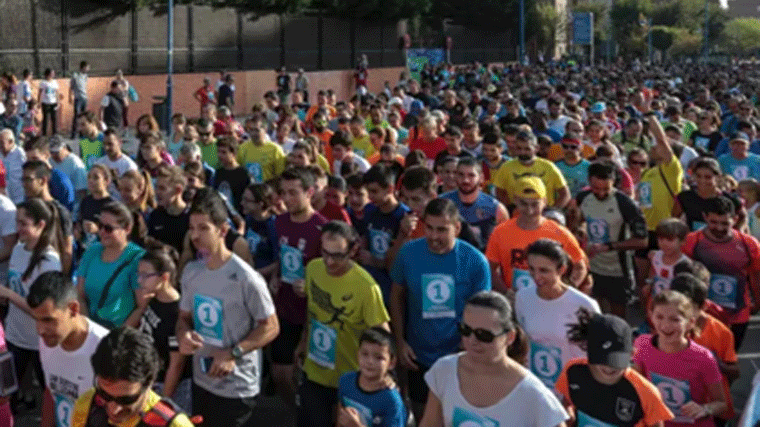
x=521, y=50
x=706, y=47
x=169, y=62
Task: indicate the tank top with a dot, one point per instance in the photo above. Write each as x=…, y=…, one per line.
x=663, y=273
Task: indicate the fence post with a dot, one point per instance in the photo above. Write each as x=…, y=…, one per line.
x=64, y=37
x=35, y=38
x=190, y=39
x=239, y=40
x=320, y=40
x=133, y=40
x=352, y=34
x=282, y=41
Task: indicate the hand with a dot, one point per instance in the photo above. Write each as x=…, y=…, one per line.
x=595, y=248
x=299, y=355
x=408, y=224
x=299, y=287
x=143, y=297
x=578, y=274
x=694, y=410
x=274, y=284
x=349, y=417
x=190, y=342
x=408, y=358
x=365, y=257
x=223, y=364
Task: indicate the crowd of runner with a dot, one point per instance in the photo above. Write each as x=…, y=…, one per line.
x=542, y=246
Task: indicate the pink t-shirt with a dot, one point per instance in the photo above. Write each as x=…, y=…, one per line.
x=681, y=377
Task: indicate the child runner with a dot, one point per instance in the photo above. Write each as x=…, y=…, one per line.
x=670, y=234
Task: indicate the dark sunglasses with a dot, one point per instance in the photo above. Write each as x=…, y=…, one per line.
x=108, y=228
x=103, y=398
x=571, y=146
x=482, y=335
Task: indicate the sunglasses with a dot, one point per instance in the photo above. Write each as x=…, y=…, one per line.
x=482, y=335
x=335, y=255
x=102, y=398
x=571, y=146
x=108, y=228
x=634, y=162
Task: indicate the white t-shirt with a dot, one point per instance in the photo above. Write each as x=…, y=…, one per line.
x=549, y=348
x=20, y=327
x=120, y=165
x=49, y=90
x=7, y=227
x=362, y=164
x=68, y=374
x=687, y=155
x=529, y=404
x=13, y=163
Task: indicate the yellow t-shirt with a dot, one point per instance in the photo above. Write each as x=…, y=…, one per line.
x=263, y=162
x=512, y=170
x=363, y=147
x=82, y=411
x=339, y=309
x=654, y=199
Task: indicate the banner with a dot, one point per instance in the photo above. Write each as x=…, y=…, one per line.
x=417, y=59
x=583, y=28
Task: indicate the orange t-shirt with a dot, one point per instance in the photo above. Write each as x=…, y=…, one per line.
x=555, y=152
x=652, y=409
x=508, y=245
x=324, y=137
x=719, y=339
x=375, y=157
x=331, y=112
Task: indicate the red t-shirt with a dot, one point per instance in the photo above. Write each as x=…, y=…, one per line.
x=430, y=148
x=331, y=211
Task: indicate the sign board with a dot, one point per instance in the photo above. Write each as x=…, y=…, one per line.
x=583, y=28
x=416, y=59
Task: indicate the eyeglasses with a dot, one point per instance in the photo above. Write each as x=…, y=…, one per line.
x=108, y=228
x=482, y=335
x=103, y=398
x=335, y=255
x=571, y=146
x=637, y=163
x=144, y=276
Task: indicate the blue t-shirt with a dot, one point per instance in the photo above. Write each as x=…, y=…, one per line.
x=437, y=287
x=381, y=408
x=379, y=230
x=481, y=214
x=576, y=176
x=62, y=189
x=121, y=297
x=740, y=169
x=724, y=148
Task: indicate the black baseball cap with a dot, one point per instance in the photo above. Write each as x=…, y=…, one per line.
x=610, y=341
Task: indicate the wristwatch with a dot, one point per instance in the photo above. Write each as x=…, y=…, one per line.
x=237, y=352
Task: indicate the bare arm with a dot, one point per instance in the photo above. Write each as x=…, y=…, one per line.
x=264, y=333
x=497, y=281
x=562, y=198
x=9, y=242
x=502, y=214
x=240, y=248
x=433, y=416
x=82, y=297
x=67, y=254
x=48, y=417
x=174, y=372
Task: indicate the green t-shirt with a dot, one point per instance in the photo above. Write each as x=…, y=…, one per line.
x=209, y=154
x=91, y=150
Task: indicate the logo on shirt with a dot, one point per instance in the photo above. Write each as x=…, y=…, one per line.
x=607, y=345
x=624, y=409
x=575, y=386
x=324, y=301
x=347, y=298
x=233, y=277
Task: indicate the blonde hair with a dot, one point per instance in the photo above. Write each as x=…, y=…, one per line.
x=675, y=299
x=143, y=181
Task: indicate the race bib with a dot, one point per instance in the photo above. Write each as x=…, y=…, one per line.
x=438, y=296
x=255, y=171
x=90, y=160
x=14, y=283
x=589, y=421
x=364, y=411
x=379, y=242
x=291, y=264
x=598, y=230
x=740, y=172
x=660, y=284
x=465, y=418
x=253, y=240
x=702, y=142
x=645, y=194
x=545, y=362
x=521, y=279
x=64, y=408
x=360, y=153
x=697, y=225
x=208, y=318
x=675, y=393
x=723, y=290
x=322, y=344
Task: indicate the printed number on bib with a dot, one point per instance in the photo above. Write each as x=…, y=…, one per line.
x=598, y=230
x=521, y=279
x=322, y=344
x=465, y=418
x=545, y=362
x=645, y=194
x=14, y=283
x=438, y=293
x=255, y=171
x=589, y=421
x=740, y=172
x=64, y=408
x=723, y=290
x=379, y=242
x=660, y=284
x=208, y=318
x=364, y=411
x=291, y=264
x=675, y=393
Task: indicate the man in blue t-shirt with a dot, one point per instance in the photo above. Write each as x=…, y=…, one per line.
x=739, y=162
x=432, y=279
x=61, y=188
x=573, y=166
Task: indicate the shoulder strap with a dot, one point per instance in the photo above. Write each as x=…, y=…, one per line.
x=161, y=414
x=662, y=175
x=109, y=283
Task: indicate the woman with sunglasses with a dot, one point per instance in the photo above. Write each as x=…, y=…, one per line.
x=706, y=138
x=107, y=274
x=549, y=348
x=482, y=385
x=37, y=251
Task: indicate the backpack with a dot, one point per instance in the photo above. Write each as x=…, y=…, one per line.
x=163, y=414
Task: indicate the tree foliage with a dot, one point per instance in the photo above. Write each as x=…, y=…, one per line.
x=662, y=38
x=741, y=35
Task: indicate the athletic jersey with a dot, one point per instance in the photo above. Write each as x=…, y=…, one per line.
x=576, y=175
x=84, y=403
x=657, y=189
x=729, y=264
x=508, y=247
x=636, y=401
x=381, y=408
x=663, y=273
x=263, y=162
x=693, y=206
x=740, y=169
x=613, y=219
x=513, y=170
x=481, y=214
x=718, y=338
x=91, y=149
x=380, y=230
x=339, y=309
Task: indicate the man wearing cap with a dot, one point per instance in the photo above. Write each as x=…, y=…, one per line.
x=507, y=247
x=604, y=389
x=739, y=162
x=69, y=164
x=432, y=279
x=528, y=164
x=598, y=112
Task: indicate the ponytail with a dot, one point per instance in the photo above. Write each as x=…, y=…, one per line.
x=577, y=333
x=52, y=235
x=148, y=196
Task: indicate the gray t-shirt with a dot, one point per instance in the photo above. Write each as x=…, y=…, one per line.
x=79, y=85
x=227, y=303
